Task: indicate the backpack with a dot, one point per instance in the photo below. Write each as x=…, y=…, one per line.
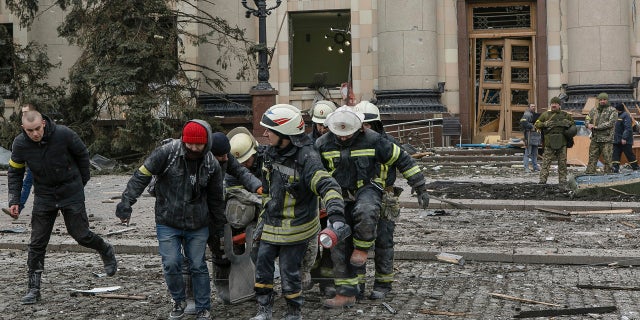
x=154, y=179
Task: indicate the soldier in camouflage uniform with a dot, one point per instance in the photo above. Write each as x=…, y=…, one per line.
x=601, y=121
x=553, y=123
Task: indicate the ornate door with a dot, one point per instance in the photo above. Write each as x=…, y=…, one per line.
x=505, y=86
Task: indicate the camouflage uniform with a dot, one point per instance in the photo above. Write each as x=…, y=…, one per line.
x=553, y=123
x=604, y=119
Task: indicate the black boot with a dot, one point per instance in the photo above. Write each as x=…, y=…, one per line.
x=33, y=294
x=615, y=168
x=634, y=166
x=293, y=312
x=109, y=259
x=265, y=307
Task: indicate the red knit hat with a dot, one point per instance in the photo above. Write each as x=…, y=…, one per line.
x=194, y=133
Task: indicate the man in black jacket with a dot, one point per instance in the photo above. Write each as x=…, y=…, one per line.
x=189, y=200
x=59, y=162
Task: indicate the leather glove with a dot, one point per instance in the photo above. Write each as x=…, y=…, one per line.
x=423, y=196
x=123, y=211
x=336, y=217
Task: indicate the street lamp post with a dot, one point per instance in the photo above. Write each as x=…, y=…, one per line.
x=261, y=11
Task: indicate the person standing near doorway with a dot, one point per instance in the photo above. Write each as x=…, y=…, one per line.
x=532, y=138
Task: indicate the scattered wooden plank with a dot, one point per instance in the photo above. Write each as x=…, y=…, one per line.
x=107, y=201
x=550, y=210
x=629, y=224
x=120, y=231
x=453, y=203
x=562, y=312
x=593, y=286
x=554, y=218
x=451, y=258
x=419, y=155
x=620, y=191
x=504, y=296
x=443, y=313
x=121, y=296
x=612, y=211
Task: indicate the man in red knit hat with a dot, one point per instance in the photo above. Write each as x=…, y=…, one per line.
x=188, y=193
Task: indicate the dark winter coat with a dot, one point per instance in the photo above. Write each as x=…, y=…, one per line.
x=59, y=164
x=179, y=203
x=293, y=180
x=356, y=165
x=623, y=129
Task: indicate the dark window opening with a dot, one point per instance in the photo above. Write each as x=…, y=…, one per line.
x=6, y=60
x=502, y=17
x=320, y=52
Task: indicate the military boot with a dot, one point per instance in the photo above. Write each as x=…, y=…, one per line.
x=339, y=301
x=33, y=294
x=109, y=259
x=293, y=312
x=379, y=292
x=265, y=307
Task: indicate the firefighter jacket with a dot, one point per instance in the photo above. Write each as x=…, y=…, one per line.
x=293, y=180
x=623, y=129
x=59, y=164
x=185, y=199
x=603, y=119
x=553, y=124
x=237, y=175
x=356, y=164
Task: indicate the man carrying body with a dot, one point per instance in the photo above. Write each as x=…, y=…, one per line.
x=189, y=198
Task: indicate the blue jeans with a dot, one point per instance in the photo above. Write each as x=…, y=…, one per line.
x=531, y=151
x=170, y=246
x=26, y=189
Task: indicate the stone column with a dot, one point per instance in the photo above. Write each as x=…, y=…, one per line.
x=598, y=42
x=407, y=36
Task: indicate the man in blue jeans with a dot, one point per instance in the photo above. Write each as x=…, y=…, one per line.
x=189, y=194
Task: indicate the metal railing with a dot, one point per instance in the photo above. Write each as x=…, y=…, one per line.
x=418, y=133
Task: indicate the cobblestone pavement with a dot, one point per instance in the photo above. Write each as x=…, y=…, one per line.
x=422, y=288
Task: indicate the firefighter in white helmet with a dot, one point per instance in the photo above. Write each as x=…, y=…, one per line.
x=319, y=113
x=388, y=214
x=294, y=180
x=354, y=157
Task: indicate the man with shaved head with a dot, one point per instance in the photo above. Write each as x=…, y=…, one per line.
x=59, y=162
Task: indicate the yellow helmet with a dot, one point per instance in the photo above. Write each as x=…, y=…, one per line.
x=243, y=144
x=321, y=110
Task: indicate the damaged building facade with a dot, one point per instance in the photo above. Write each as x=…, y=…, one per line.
x=479, y=61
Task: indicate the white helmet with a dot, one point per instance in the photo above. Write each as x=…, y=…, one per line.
x=243, y=144
x=344, y=121
x=371, y=112
x=284, y=119
x=321, y=110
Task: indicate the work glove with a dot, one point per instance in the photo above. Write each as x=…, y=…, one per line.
x=423, y=196
x=334, y=218
x=123, y=211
